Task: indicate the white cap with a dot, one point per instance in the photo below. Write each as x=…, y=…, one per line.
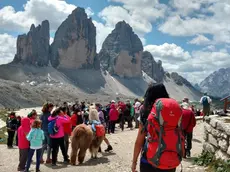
x=113, y=101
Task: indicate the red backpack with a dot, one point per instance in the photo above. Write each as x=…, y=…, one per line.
x=165, y=141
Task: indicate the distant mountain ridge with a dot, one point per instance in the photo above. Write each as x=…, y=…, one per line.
x=120, y=69
x=218, y=83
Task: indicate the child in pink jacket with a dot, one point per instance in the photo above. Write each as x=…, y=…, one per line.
x=58, y=138
x=23, y=143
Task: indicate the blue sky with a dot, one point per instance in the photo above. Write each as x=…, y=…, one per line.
x=191, y=37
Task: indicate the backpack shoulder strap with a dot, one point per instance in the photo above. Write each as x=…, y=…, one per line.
x=161, y=144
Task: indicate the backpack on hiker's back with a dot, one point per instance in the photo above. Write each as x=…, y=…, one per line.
x=164, y=147
x=205, y=101
x=52, y=127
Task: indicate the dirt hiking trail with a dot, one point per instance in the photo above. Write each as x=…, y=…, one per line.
x=117, y=161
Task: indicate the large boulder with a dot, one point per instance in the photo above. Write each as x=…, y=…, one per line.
x=121, y=52
x=33, y=47
x=74, y=44
x=152, y=68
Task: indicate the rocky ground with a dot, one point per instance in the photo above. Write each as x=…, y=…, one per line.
x=117, y=161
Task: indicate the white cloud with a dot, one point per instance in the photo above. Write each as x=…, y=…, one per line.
x=7, y=48
x=139, y=14
x=113, y=14
x=200, y=40
x=170, y=52
x=35, y=11
x=199, y=17
x=89, y=11
x=209, y=48
x=193, y=66
x=204, y=63
x=102, y=33
x=171, y=55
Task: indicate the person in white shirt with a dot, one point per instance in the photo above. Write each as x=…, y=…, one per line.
x=137, y=106
x=206, y=102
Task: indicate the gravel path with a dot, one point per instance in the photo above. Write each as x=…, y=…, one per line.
x=117, y=161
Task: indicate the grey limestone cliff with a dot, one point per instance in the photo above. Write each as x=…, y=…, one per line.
x=33, y=47
x=218, y=83
x=74, y=44
x=121, y=52
x=152, y=68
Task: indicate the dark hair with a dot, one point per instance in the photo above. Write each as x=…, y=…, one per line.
x=46, y=107
x=12, y=114
x=56, y=112
x=154, y=92
x=64, y=108
x=98, y=105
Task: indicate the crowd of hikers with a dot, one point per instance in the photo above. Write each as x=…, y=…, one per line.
x=165, y=129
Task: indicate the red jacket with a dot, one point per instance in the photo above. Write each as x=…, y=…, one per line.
x=67, y=126
x=23, y=130
x=74, y=120
x=113, y=113
x=188, y=120
x=122, y=106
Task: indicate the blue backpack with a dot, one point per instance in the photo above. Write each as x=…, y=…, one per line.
x=52, y=127
x=205, y=101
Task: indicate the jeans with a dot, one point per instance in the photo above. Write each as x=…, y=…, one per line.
x=112, y=126
x=30, y=156
x=23, y=154
x=66, y=138
x=188, y=141
x=56, y=142
x=145, y=167
x=46, y=146
x=122, y=121
x=10, y=139
x=136, y=120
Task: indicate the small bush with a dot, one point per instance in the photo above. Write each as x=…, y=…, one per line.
x=208, y=159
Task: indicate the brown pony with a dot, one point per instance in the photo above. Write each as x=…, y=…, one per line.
x=82, y=137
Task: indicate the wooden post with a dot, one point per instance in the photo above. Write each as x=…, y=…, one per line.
x=225, y=104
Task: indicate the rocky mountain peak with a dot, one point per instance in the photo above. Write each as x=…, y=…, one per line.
x=215, y=81
x=121, y=52
x=152, y=68
x=79, y=13
x=179, y=80
x=74, y=43
x=33, y=47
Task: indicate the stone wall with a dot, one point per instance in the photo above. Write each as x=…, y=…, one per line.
x=217, y=136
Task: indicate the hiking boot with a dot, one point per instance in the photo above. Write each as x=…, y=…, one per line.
x=188, y=154
x=99, y=150
x=48, y=161
x=66, y=161
x=19, y=169
x=109, y=148
x=38, y=170
x=42, y=161
x=54, y=165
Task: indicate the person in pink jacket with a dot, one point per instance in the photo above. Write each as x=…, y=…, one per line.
x=23, y=143
x=113, y=117
x=58, y=138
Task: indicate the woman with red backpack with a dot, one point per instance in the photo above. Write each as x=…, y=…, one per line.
x=160, y=138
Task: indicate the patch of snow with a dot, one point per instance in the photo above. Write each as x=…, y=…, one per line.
x=23, y=84
x=33, y=83
x=27, y=81
x=49, y=77
x=2, y=123
x=25, y=112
